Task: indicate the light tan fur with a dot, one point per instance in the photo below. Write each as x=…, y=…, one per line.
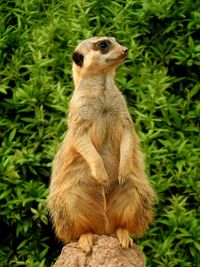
x=98, y=182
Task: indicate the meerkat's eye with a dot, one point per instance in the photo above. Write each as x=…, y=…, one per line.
x=103, y=45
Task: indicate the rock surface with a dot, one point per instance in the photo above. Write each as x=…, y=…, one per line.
x=106, y=252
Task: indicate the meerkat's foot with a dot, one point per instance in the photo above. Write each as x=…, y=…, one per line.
x=86, y=242
x=124, y=238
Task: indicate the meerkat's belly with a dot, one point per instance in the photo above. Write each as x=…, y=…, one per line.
x=105, y=131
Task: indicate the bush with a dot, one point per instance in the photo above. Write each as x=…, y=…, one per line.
x=161, y=82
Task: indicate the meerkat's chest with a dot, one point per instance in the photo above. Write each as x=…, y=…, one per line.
x=102, y=109
x=105, y=117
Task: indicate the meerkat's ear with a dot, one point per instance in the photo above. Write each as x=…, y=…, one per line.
x=78, y=58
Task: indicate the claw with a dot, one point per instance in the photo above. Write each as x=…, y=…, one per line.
x=106, y=183
x=121, y=180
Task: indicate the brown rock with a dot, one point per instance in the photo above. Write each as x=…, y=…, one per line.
x=106, y=252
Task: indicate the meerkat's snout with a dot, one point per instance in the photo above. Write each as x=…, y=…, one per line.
x=124, y=50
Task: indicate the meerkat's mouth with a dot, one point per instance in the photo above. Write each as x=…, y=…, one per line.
x=121, y=57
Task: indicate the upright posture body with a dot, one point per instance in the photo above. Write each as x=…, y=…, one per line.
x=98, y=182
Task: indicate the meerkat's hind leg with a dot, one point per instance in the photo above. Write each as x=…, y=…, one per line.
x=124, y=237
x=86, y=242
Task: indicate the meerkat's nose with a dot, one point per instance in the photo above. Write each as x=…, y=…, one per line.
x=124, y=50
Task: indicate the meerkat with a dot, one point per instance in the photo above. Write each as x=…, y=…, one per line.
x=98, y=183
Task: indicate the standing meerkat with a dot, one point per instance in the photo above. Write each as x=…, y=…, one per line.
x=98, y=183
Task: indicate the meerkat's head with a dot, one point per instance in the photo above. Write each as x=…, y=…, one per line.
x=98, y=55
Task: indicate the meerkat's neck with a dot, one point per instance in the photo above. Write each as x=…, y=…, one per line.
x=94, y=83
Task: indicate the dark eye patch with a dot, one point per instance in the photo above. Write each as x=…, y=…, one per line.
x=104, y=46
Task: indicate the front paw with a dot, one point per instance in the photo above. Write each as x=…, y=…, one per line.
x=122, y=176
x=100, y=174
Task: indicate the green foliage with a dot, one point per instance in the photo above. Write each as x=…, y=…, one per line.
x=161, y=82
